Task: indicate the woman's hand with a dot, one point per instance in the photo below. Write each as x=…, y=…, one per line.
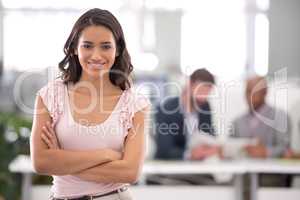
x=113, y=155
x=49, y=137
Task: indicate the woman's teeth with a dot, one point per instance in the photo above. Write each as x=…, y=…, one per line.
x=96, y=66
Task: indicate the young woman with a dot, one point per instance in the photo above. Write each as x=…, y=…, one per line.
x=88, y=128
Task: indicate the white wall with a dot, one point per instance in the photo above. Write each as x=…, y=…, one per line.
x=284, y=51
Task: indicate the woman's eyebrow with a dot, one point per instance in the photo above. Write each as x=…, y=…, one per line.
x=106, y=42
x=89, y=42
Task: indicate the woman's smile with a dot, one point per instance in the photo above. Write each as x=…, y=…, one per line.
x=96, y=66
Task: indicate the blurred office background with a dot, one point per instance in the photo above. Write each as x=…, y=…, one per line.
x=167, y=40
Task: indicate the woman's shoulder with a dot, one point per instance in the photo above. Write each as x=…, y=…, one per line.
x=51, y=87
x=133, y=101
x=53, y=84
x=52, y=95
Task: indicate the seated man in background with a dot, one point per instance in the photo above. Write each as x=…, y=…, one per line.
x=269, y=126
x=177, y=118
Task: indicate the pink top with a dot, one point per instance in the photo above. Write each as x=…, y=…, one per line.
x=74, y=136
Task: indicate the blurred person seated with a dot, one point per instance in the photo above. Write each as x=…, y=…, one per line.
x=269, y=126
x=178, y=118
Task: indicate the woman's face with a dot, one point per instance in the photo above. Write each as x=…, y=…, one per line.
x=96, y=51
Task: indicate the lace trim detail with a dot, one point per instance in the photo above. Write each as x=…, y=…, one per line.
x=132, y=103
x=127, y=113
x=53, y=97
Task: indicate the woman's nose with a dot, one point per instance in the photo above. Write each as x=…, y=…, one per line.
x=97, y=54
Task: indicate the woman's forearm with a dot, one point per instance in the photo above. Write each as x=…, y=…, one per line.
x=128, y=169
x=119, y=171
x=64, y=162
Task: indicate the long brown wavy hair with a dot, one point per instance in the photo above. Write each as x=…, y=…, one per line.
x=70, y=67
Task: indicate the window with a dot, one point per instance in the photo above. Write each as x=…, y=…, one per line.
x=214, y=37
x=36, y=31
x=35, y=40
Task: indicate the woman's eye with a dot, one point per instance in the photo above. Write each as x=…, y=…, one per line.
x=86, y=46
x=106, y=46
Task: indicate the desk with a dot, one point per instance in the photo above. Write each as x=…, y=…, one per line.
x=197, y=167
x=269, y=166
x=237, y=167
x=22, y=164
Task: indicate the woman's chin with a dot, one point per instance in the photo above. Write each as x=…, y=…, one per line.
x=98, y=73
